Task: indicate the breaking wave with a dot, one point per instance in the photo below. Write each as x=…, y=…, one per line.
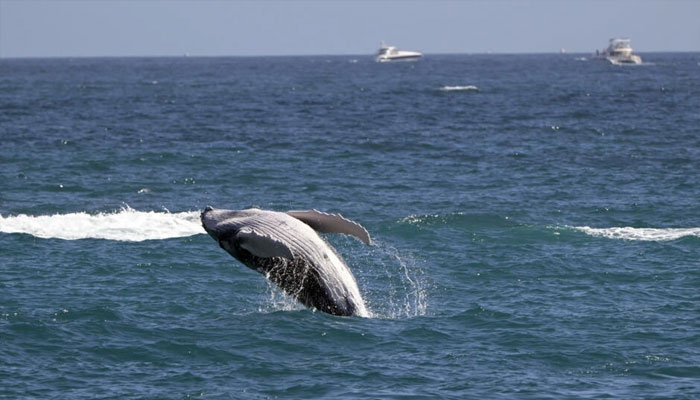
x=644, y=234
x=126, y=224
x=459, y=88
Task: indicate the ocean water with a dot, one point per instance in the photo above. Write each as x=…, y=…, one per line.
x=535, y=218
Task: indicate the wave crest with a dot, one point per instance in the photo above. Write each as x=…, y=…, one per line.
x=459, y=88
x=126, y=224
x=644, y=234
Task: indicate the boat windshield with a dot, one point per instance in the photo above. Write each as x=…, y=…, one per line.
x=619, y=43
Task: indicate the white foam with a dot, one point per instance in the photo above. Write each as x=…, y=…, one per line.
x=645, y=234
x=459, y=88
x=124, y=225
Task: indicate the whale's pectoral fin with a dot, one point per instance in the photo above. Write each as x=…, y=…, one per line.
x=331, y=223
x=261, y=245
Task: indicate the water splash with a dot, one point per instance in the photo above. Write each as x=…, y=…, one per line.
x=643, y=234
x=392, y=283
x=126, y=224
x=278, y=300
x=413, y=296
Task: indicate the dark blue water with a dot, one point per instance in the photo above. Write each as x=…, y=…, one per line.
x=535, y=218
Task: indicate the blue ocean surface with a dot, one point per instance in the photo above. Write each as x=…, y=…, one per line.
x=535, y=219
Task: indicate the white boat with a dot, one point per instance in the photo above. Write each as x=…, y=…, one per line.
x=619, y=52
x=391, y=53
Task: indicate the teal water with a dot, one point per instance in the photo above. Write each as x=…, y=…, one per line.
x=535, y=219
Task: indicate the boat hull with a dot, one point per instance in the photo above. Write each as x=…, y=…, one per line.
x=399, y=58
x=617, y=60
x=633, y=59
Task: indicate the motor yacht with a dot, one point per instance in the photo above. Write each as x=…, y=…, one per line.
x=619, y=52
x=391, y=53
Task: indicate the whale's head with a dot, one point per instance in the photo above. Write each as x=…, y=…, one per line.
x=222, y=224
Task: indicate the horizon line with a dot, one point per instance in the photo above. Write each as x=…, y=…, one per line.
x=368, y=55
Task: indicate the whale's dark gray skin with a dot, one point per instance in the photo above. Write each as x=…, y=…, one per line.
x=285, y=248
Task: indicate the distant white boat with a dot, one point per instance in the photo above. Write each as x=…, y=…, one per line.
x=619, y=52
x=391, y=53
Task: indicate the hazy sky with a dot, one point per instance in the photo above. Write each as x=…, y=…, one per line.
x=141, y=28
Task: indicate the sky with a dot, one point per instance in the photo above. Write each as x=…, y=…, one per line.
x=61, y=28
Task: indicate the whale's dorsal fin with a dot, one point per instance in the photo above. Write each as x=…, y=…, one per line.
x=331, y=223
x=261, y=245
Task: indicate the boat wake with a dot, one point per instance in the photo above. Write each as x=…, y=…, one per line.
x=643, y=234
x=126, y=224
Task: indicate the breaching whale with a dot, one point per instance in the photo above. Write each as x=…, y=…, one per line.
x=285, y=248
